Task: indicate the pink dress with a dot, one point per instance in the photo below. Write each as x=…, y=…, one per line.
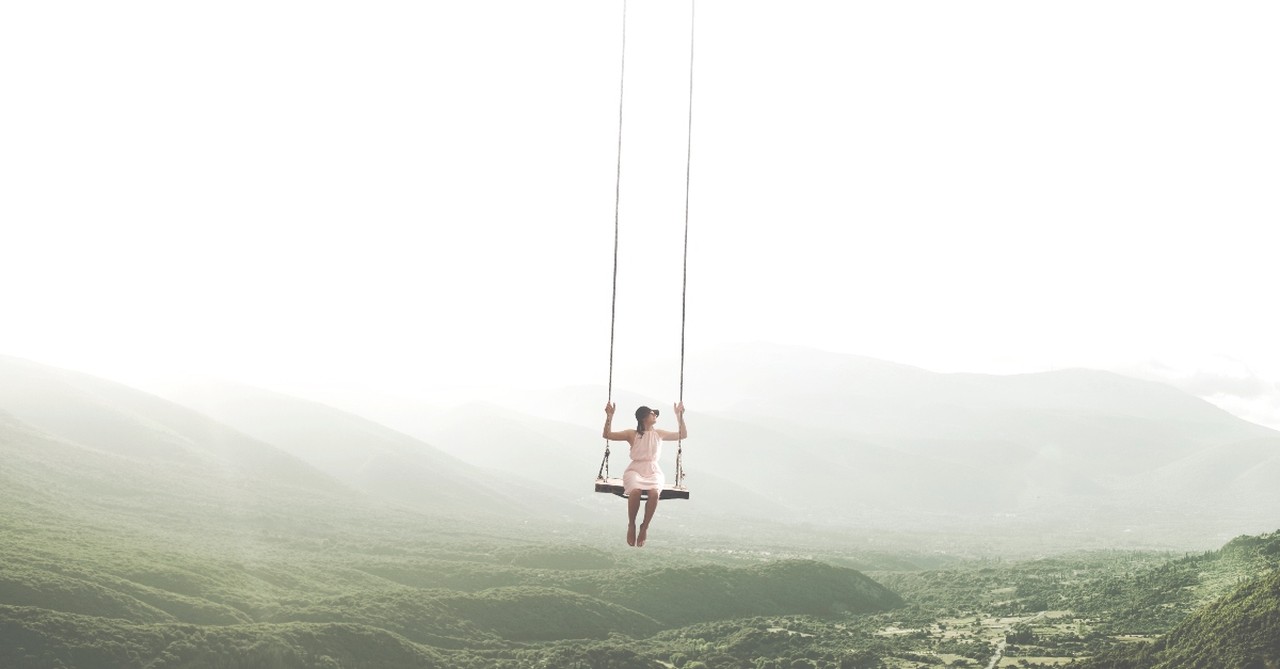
x=644, y=473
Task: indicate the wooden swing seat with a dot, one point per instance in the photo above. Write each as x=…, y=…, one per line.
x=614, y=486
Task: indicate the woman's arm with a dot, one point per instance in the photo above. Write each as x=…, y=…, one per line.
x=683, y=433
x=608, y=432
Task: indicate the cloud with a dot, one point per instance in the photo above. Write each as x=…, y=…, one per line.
x=1224, y=381
x=1205, y=384
x=1206, y=377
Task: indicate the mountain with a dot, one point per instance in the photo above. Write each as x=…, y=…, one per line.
x=566, y=457
x=85, y=453
x=276, y=441
x=778, y=435
x=112, y=419
x=370, y=457
x=1078, y=457
x=135, y=532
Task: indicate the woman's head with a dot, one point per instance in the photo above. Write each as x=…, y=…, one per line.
x=645, y=418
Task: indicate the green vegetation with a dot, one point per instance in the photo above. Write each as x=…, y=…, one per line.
x=1240, y=630
x=272, y=581
x=386, y=597
x=170, y=542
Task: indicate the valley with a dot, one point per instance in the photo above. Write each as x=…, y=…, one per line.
x=140, y=533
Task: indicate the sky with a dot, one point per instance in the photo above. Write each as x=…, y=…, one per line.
x=418, y=197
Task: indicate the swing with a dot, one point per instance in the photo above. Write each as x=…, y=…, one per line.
x=604, y=483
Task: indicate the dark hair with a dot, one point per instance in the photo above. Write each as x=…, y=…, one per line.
x=642, y=413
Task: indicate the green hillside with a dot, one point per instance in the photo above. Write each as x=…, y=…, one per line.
x=34, y=638
x=380, y=462
x=686, y=595
x=1240, y=630
x=137, y=534
x=208, y=548
x=116, y=605
x=114, y=420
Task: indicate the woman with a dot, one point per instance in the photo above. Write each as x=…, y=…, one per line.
x=643, y=473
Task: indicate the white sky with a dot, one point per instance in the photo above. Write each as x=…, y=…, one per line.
x=420, y=195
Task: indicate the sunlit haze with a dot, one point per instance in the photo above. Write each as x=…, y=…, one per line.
x=417, y=198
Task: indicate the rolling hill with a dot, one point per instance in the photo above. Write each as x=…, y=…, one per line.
x=369, y=457
x=140, y=533
x=261, y=436
x=112, y=419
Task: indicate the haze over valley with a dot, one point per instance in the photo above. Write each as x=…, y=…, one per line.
x=828, y=492
x=1073, y=458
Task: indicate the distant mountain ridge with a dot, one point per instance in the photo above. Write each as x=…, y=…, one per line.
x=114, y=419
x=1086, y=457
x=224, y=423
x=365, y=455
x=1081, y=457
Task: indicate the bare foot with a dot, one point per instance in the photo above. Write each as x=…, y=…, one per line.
x=631, y=534
x=644, y=529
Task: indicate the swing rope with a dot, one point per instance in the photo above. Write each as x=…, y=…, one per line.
x=684, y=272
x=617, y=198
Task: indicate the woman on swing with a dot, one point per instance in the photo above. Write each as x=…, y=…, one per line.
x=643, y=473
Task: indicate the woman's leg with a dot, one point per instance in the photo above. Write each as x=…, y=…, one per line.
x=633, y=507
x=649, y=508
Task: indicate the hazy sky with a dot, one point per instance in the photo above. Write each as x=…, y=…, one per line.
x=419, y=195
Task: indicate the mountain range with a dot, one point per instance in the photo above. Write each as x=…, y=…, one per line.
x=788, y=436
x=137, y=439
x=1083, y=457
x=225, y=521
